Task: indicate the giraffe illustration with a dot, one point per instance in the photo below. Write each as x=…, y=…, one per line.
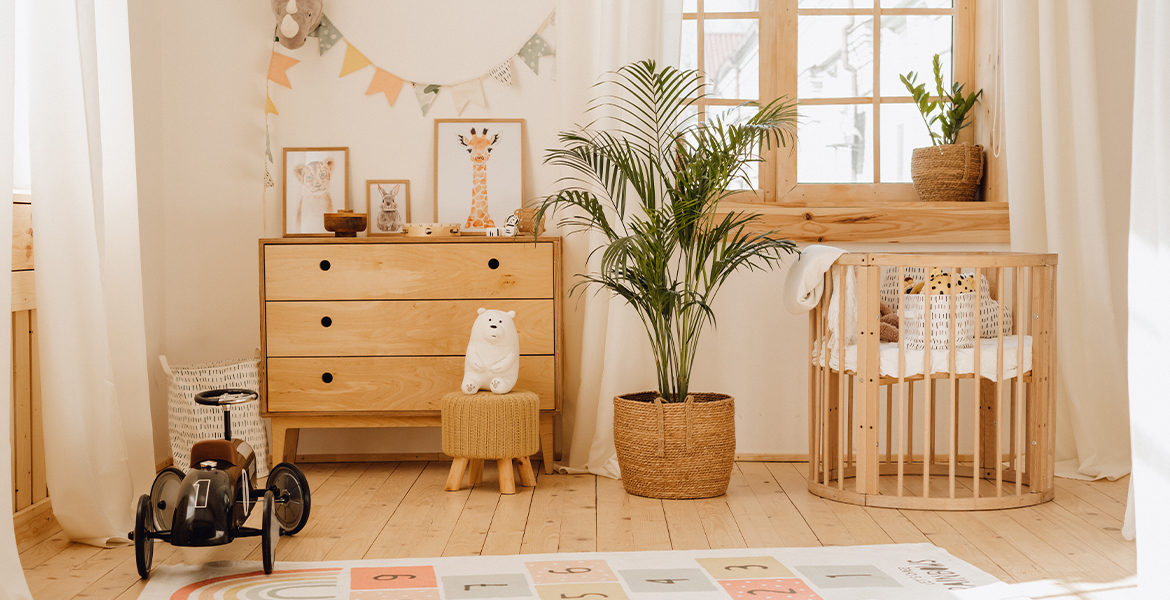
x=479, y=146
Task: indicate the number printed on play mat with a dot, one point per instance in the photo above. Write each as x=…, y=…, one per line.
x=570, y=571
x=744, y=567
x=780, y=589
x=582, y=591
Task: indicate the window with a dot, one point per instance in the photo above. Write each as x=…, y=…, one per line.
x=841, y=59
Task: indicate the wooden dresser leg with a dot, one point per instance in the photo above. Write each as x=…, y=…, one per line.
x=476, y=471
x=276, y=452
x=546, y=441
x=527, y=477
x=455, y=477
x=507, y=476
x=291, y=439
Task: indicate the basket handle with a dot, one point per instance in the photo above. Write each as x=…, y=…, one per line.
x=687, y=404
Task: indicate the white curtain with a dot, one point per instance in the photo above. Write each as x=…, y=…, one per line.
x=12, y=583
x=1068, y=108
x=1149, y=287
x=600, y=36
x=99, y=454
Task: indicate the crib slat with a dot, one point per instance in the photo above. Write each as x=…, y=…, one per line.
x=976, y=464
x=999, y=386
x=889, y=423
x=869, y=375
x=1022, y=318
x=904, y=422
x=849, y=407
x=928, y=390
x=842, y=306
x=825, y=370
x=951, y=351
x=813, y=385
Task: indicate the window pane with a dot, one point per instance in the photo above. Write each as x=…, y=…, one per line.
x=835, y=144
x=690, y=6
x=732, y=58
x=902, y=132
x=731, y=5
x=909, y=43
x=835, y=4
x=916, y=4
x=735, y=114
x=689, y=50
x=834, y=56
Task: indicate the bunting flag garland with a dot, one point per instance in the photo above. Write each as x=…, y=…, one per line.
x=270, y=108
x=503, y=72
x=426, y=93
x=466, y=93
x=327, y=35
x=533, y=49
x=385, y=83
x=278, y=67
x=354, y=60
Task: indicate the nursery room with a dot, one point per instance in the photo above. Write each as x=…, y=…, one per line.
x=585, y=299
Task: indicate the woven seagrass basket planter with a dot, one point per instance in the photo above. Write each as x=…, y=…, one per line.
x=947, y=173
x=675, y=450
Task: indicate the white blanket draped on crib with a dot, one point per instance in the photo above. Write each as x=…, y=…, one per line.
x=940, y=359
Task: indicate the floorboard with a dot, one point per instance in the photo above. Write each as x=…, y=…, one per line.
x=1069, y=548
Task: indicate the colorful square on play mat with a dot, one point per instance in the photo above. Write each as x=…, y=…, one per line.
x=587, y=591
x=659, y=581
x=570, y=571
x=431, y=594
x=502, y=585
x=744, y=567
x=389, y=578
x=847, y=576
x=781, y=589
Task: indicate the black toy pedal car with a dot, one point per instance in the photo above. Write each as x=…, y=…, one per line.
x=209, y=505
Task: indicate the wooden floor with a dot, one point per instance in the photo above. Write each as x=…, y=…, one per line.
x=375, y=510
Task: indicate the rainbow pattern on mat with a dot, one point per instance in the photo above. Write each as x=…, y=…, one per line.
x=900, y=571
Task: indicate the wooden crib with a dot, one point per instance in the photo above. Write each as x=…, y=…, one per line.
x=919, y=429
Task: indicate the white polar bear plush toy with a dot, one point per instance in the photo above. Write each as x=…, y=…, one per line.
x=493, y=353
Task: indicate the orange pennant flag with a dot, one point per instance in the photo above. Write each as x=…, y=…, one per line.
x=278, y=67
x=270, y=108
x=386, y=83
x=354, y=60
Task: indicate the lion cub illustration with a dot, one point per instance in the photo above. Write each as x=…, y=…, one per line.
x=389, y=217
x=315, y=200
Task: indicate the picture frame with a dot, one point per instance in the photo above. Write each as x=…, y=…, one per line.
x=313, y=180
x=479, y=171
x=388, y=205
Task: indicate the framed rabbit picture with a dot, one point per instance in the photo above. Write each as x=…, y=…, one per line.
x=389, y=205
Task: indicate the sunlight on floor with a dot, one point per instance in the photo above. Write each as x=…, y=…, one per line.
x=1050, y=589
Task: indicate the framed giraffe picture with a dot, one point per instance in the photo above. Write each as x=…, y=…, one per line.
x=479, y=172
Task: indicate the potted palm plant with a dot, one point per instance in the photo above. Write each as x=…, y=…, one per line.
x=945, y=171
x=649, y=178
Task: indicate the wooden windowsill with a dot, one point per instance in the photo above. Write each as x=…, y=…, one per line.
x=919, y=222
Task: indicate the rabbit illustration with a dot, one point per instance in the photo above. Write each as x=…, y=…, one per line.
x=389, y=217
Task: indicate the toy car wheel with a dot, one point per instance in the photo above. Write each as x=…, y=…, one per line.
x=288, y=483
x=164, y=495
x=269, y=532
x=143, y=543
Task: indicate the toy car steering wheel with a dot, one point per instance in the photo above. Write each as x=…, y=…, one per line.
x=225, y=397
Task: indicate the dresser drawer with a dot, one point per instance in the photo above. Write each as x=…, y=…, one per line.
x=396, y=327
x=365, y=271
x=384, y=383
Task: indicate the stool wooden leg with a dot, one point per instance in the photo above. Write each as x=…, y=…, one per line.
x=455, y=477
x=527, y=477
x=546, y=441
x=507, y=476
x=476, y=471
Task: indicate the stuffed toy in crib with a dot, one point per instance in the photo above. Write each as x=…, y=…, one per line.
x=939, y=282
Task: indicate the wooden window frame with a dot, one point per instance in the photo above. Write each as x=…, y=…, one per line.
x=845, y=212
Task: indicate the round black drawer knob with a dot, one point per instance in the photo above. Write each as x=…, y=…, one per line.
x=325, y=265
x=327, y=377
x=326, y=321
x=493, y=263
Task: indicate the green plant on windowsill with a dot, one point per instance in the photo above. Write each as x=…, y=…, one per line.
x=947, y=171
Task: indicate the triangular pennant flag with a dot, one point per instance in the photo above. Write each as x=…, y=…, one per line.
x=533, y=49
x=278, y=67
x=327, y=35
x=270, y=108
x=386, y=83
x=503, y=72
x=268, y=145
x=466, y=93
x=354, y=60
x=426, y=94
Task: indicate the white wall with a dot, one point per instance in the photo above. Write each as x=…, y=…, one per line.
x=199, y=91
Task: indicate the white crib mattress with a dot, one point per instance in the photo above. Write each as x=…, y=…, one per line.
x=940, y=359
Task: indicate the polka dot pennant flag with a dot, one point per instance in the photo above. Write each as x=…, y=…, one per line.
x=426, y=94
x=533, y=49
x=327, y=34
x=503, y=72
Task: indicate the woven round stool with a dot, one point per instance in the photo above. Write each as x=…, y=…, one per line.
x=487, y=426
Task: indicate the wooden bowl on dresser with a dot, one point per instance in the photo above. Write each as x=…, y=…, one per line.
x=345, y=223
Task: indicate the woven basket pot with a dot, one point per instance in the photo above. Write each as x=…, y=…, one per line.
x=947, y=173
x=675, y=450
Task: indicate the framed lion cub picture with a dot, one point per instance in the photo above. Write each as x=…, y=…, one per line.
x=316, y=181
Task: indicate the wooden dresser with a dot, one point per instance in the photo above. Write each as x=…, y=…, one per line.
x=371, y=332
